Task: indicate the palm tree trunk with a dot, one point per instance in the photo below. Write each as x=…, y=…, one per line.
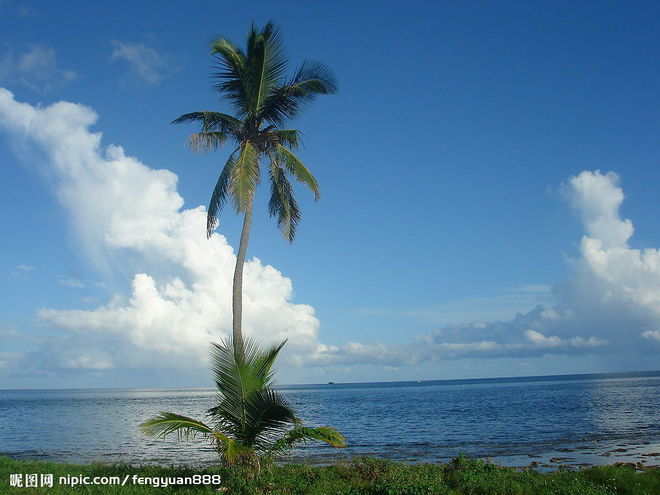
x=237, y=299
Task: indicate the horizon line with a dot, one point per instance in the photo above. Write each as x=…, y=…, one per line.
x=444, y=380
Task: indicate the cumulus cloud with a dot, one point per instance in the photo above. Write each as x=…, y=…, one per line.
x=532, y=334
x=614, y=286
x=596, y=197
x=611, y=302
x=124, y=212
x=130, y=217
x=606, y=306
x=35, y=68
x=145, y=62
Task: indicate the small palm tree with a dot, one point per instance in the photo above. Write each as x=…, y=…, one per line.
x=253, y=81
x=251, y=420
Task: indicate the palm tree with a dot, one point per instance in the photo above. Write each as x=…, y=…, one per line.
x=253, y=81
x=251, y=420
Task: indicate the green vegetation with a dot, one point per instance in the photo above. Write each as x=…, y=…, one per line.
x=251, y=422
x=365, y=476
x=253, y=81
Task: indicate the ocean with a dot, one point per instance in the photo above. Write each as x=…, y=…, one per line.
x=548, y=421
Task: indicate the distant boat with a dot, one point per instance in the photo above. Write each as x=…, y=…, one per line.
x=419, y=381
x=331, y=383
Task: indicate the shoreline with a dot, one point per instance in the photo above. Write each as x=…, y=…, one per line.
x=644, y=454
x=639, y=456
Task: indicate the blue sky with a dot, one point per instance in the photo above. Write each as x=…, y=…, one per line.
x=458, y=171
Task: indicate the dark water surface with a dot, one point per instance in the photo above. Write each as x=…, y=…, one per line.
x=596, y=419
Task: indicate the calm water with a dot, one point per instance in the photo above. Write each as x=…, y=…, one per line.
x=581, y=418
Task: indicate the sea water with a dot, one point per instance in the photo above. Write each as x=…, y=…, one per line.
x=572, y=420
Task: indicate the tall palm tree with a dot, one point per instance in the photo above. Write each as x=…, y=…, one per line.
x=251, y=420
x=263, y=99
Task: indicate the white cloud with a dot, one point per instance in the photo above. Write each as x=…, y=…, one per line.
x=597, y=199
x=613, y=293
x=145, y=62
x=22, y=271
x=130, y=217
x=72, y=282
x=651, y=335
x=553, y=341
x=181, y=283
x=519, y=338
x=614, y=284
x=91, y=360
x=604, y=307
x=35, y=68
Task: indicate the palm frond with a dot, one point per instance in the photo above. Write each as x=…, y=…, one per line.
x=282, y=203
x=232, y=382
x=265, y=65
x=324, y=434
x=288, y=137
x=234, y=452
x=265, y=361
x=231, y=62
x=256, y=418
x=268, y=416
x=314, y=78
x=244, y=176
x=211, y=121
x=205, y=142
x=284, y=102
x=239, y=375
x=219, y=196
x=293, y=164
x=299, y=433
x=166, y=423
x=267, y=409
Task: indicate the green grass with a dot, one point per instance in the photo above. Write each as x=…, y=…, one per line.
x=364, y=476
